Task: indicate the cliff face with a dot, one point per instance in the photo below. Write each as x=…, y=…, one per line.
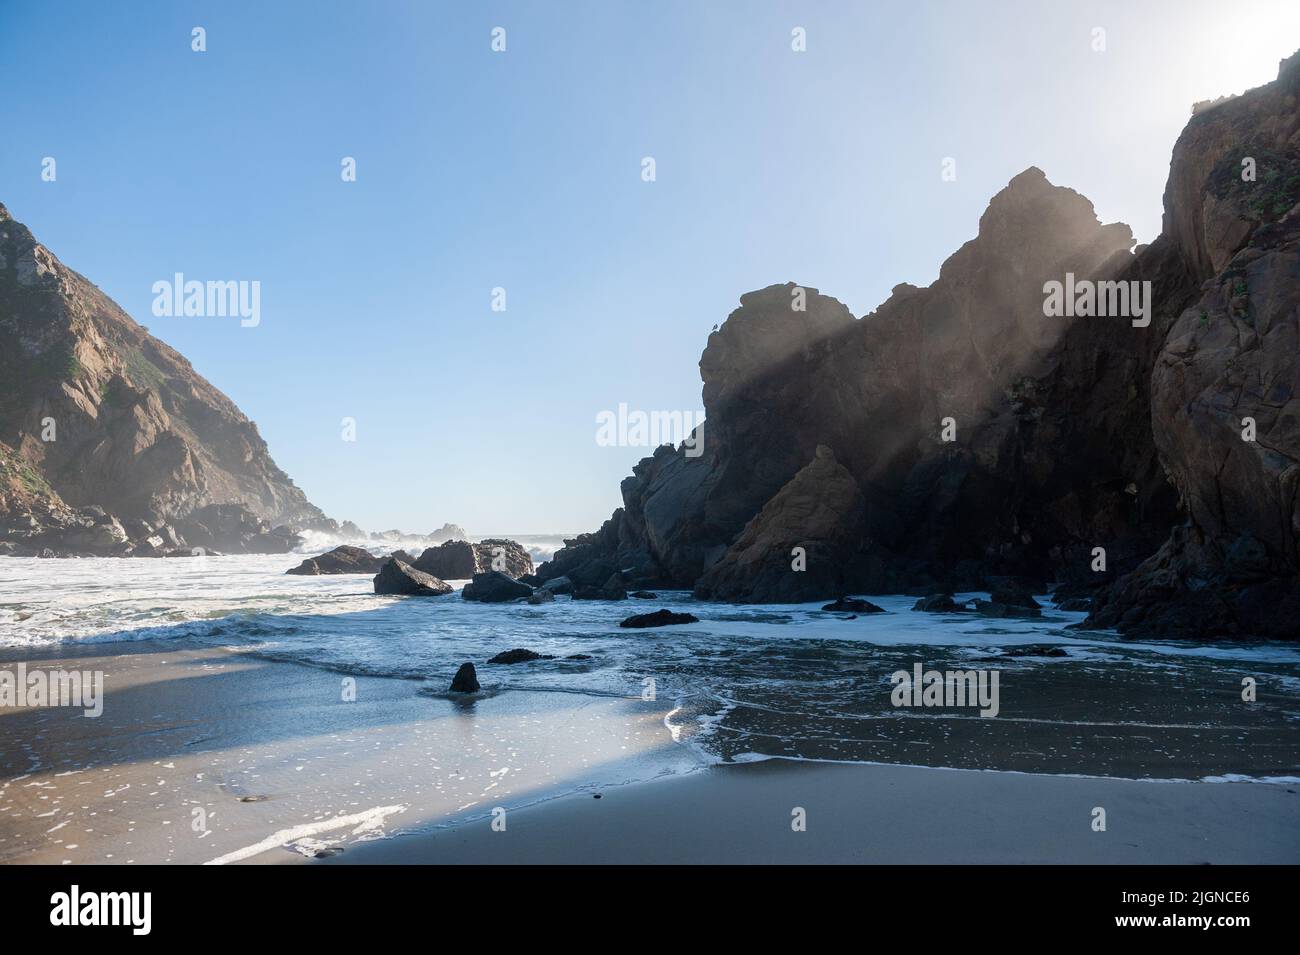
x=779, y=382
x=1225, y=388
x=96, y=412
x=1066, y=434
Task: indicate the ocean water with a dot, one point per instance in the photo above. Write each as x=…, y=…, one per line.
x=746, y=682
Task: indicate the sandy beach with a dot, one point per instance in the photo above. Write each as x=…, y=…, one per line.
x=901, y=815
x=204, y=755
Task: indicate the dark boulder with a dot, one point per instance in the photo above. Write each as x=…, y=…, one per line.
x=993, y=608
x=341, y=560
x=495, y=587
x=541, y=596
x=660, y=618
x=453, y=560
x=465, y=680
x=505, y=556
x=939, y=603
x=519, y=655
x=853, y=605
x=461, y=560
x=396, y=577
x=559, y=585
x=1014, y=596
x=644, y=595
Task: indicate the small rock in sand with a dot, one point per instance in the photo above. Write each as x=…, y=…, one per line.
x=465, y=680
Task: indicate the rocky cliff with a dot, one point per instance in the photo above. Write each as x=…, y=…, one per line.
x=1225, y=388
x=110, y=441
x=988, y=440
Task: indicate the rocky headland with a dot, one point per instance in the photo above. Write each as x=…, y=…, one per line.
x=111, y=444
x=957, y=437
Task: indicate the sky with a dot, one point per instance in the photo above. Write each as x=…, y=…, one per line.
x=523, y=170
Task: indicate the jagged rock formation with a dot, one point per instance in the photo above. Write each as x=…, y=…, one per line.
x=779, y=382
x=1070, y=433
x=96, y=411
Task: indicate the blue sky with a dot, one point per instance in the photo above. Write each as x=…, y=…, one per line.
x=522, y=170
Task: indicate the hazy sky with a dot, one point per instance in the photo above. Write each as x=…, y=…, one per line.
x=523, y=170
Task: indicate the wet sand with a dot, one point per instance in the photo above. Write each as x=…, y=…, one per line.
x=902, y=815
x=206, y=755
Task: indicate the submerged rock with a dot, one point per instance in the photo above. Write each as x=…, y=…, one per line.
x=396, y=577
x=1014, y=596
x=992, y=608
x=853, y=605
x=660, y=618
x=465, y=680
x=519, y=655
x=939, y=603
x=541, y=596
x=495, y=587
x=1035, y=650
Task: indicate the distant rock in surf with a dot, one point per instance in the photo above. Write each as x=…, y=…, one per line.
x=460, y=560
x=660, y=618
x=519, y=655
x=452, y=560
x=341, y=560
x=495, y=587
x=853, y=605
x=939, y=603
x=397, y=577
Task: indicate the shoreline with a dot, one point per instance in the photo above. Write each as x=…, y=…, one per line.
x=203, y=752
x=279, y=770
